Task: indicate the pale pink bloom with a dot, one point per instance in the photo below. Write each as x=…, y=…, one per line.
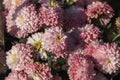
x=101, y=11
x=19, y=56
x=9, y=4
x=74, y=17
x=89, y=33
x=80, y=68
x=54, y=40
x=39, y=71
x=18, y=75
x=22, y=21
x=50, y=15
x=36, y=42
x=107, y=57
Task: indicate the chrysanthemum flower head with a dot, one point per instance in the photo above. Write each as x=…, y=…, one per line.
x=22, y=21
x=36, y=42
x=100, y=11
x=19, y=56
x=18, y=75
x=89, y=33
x=50, y=15
x=74, y=17
x=80, y=68
x=54, y=40
x=39, y=71
x=107, y=57
x=9, y=4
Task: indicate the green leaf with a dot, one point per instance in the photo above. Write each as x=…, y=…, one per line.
x=61, y=61
x=116, y=37
x=109, y=26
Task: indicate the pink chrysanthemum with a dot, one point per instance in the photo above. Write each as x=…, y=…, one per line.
x=101, y=11
x=39, y=71
x=89, y=49
x=107, y=57
x=89, y=33
x=83, y=3
x=18, y=75
x=22, y=21
x=19, y=56
x=80, y=68
x=54, y=40
x=74, y=17
x=50, y=15
x=9, y=4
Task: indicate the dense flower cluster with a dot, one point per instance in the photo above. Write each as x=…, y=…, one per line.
x=61, y=40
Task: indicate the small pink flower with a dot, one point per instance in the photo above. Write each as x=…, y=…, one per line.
x=101, y=11
x=89, y=33
x=54, y=40
x=39, y=71
x=80, y=68
x=107, y=57
x=50, y=15
x=19, y=56
x=9, y=4
x=22, y=21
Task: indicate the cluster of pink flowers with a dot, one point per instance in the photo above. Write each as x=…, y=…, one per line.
x=20, y=60
x=52, y=30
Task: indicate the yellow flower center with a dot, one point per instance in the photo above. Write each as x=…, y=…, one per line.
x=58, y=37
x=14, y=57
x=21, y=19
x=37, y=45
x=54, y=3
x=17, y=2
x=108, y=62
